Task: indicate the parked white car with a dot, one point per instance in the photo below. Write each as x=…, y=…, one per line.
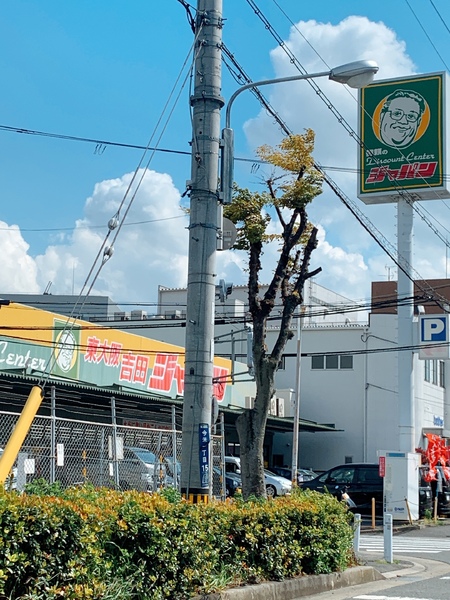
x=275, y=485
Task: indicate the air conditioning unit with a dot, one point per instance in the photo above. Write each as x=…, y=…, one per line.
x=273, y=406
x=280, y=407
x=249, y=402
x=175, y=314
x=138, y=315
x=121, y=316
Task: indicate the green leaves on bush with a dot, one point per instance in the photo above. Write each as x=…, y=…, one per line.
x=85, y=543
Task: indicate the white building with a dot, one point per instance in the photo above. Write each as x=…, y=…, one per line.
x=348, y=373
x=348, y=370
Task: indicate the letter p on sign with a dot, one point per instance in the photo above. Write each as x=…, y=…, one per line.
x=433, y=329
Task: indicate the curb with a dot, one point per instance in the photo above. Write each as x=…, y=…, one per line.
x=290, y=589
x=412, y=570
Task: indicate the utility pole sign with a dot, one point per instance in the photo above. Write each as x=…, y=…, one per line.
x=434, y=337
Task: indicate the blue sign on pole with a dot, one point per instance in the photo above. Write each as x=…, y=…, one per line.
x=204, y=439
x=434, y=336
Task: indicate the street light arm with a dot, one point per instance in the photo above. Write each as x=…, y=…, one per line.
x=355, y=74
x=256, y=84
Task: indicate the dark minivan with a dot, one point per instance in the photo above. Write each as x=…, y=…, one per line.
x=362, y=482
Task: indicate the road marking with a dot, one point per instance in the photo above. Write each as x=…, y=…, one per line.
x=375, y=543
x=371, y=597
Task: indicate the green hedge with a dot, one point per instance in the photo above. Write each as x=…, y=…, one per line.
x=85, y=543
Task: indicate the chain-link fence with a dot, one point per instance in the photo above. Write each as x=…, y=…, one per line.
x=123, y=457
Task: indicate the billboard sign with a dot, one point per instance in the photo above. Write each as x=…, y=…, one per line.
x=433, y=337
x=38, y=342
x=402, y=125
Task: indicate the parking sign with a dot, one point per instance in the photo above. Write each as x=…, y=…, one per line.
x=433, y=337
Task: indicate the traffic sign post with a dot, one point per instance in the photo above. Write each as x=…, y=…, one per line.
x=434, y=337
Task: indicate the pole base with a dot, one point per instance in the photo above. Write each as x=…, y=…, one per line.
x=196, y=497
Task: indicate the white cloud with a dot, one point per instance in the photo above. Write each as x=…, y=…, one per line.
x=150, y=249
x=349, y=256
x=18, y=272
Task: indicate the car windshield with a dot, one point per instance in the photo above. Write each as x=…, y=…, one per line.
x=145, y=455
x=267, y=472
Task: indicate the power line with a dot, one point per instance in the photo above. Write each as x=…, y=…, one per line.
x=400, y=261
x=427, y=35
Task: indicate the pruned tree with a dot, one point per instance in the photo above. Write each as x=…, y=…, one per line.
x=293, y=185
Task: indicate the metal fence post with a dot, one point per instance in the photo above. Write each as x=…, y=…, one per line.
x=114, y=442
x=222, y=458
x=175, y=473
x=53, y=434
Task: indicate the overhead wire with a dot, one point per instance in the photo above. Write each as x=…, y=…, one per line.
x=363, y=220
x=415, y=207
x=271, y=111
x=114, y=222
x=311, y=310
x=429, y=38
x=377, y=236
x=440, y=16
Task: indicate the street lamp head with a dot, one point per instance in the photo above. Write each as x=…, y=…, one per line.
x=356, y=74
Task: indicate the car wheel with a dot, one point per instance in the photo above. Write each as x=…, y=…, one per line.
x=271, y=491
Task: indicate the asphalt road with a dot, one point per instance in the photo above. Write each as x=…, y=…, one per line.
x=420, y=571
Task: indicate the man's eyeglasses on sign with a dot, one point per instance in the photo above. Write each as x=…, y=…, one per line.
x=398, y=114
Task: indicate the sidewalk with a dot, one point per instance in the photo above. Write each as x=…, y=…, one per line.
x=389, y=570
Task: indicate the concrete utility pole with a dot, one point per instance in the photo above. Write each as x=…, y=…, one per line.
x=206, y=104
x=405, y=313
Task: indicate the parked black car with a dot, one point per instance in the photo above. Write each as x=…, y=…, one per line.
x=443, y=507
x=362, y=482
x=425, y=495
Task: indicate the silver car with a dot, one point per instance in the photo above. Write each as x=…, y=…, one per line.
x=276, y=485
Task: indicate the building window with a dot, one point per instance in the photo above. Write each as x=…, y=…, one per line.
x=346, y=361
x=427, y=368
x=332, y=362
x=317, y=362
x=434, y=372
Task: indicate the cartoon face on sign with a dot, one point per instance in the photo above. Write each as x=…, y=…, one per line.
x=66, y=351
x=401, y=118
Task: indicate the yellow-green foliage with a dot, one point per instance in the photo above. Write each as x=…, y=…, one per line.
x=298, y=181
x=303, y=182
x=102, y=544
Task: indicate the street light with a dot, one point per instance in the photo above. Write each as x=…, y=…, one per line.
x=356, y=74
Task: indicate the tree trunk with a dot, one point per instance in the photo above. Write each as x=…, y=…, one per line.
x=251, y=437
x=251, y=428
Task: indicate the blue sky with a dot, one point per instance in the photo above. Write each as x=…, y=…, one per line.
x=104, y=71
